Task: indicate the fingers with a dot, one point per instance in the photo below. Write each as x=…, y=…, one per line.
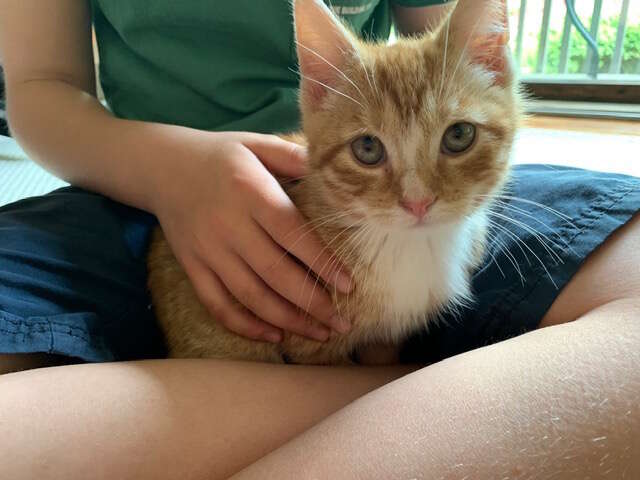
x=217, y=300
x=241, y=233
x=279, y=156
x=249, y=289
x=283, y=222
x=288, y=278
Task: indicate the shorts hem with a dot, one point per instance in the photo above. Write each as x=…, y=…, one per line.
x=595, y=225
x=54, y=334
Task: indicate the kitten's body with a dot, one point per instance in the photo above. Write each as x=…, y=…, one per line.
x=401, y=280
x=404, y=274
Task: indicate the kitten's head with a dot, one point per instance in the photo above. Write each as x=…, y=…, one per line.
x=414, y=134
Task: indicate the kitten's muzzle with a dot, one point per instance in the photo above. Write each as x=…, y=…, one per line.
x=418, y=208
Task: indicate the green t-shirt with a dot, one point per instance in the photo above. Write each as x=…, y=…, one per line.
x=212, y=64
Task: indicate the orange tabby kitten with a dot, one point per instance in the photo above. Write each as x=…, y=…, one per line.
x=407, y=142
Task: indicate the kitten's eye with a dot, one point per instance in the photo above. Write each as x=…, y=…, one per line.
x=458, y=138
x=368, y=150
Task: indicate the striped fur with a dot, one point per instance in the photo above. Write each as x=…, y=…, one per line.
x=406, y=94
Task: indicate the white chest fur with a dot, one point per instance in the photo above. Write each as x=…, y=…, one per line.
x=416, y=272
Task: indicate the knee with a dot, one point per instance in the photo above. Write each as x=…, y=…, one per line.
x=610, y=273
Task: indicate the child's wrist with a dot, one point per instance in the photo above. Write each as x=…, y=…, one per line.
x=157, y=164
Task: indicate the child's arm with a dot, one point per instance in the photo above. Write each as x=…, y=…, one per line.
x=223, y=213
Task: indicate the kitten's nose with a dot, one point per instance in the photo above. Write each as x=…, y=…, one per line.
x=417, y=208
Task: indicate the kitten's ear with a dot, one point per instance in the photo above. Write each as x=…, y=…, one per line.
x=323, y=45
x=481, y=27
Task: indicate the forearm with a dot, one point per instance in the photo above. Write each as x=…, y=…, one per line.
x=561, y=402
x=71, y=134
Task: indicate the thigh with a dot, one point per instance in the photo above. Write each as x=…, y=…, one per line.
x=73, y=278
x=556, y=403
x=165, y=419
x=610, y=273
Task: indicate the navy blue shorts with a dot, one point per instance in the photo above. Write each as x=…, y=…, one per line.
x=73, y=275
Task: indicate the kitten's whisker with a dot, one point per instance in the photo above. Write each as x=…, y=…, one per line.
x=493, y=260
x=536, y=256
x=328, y=87
x=345, y=260
x=375, y=84
x=512, y=208
x=316, y=224
x=356, y=133
x=319, y=272
x=373, y=76
x=342, y=251
x=510, y=256
x=381, y=245
x=338, y=256
x=342, y=255
x=347, y=248
x=375, y=87
x=444, y=62
x=462, y=54
x=336, y=215
x=538, y=235
x=539, y=205
x=332, y=66
x=357, y=242
x=285, y=181
x=513, y=236
x=366, y=72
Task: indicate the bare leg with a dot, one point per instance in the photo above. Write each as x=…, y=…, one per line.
x=561, y=402
x=610, y=273
x=164, y=419
x=557, y=397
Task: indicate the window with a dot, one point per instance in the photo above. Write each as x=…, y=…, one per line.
x=557, y=62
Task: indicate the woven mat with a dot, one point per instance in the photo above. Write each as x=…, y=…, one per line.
x=19, y=176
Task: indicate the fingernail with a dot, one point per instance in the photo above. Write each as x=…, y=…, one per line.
x=273, y=337
x=340, y=324
x=344, y=282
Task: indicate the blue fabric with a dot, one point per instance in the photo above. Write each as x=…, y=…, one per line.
x=73, y=278
x=73, y=275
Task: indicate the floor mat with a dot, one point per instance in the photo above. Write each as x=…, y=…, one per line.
x=19, y=176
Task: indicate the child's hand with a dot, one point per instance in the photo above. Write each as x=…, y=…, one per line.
x=230, y=225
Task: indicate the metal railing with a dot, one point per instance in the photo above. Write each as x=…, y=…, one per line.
x=571, y=22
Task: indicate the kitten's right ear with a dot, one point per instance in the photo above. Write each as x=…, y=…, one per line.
x=481, y=28
x=324, y=45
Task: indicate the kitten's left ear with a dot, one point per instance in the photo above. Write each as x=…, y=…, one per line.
x=481, y=28
x=324, y=45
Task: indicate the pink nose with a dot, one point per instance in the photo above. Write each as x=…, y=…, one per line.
x=418, y=208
